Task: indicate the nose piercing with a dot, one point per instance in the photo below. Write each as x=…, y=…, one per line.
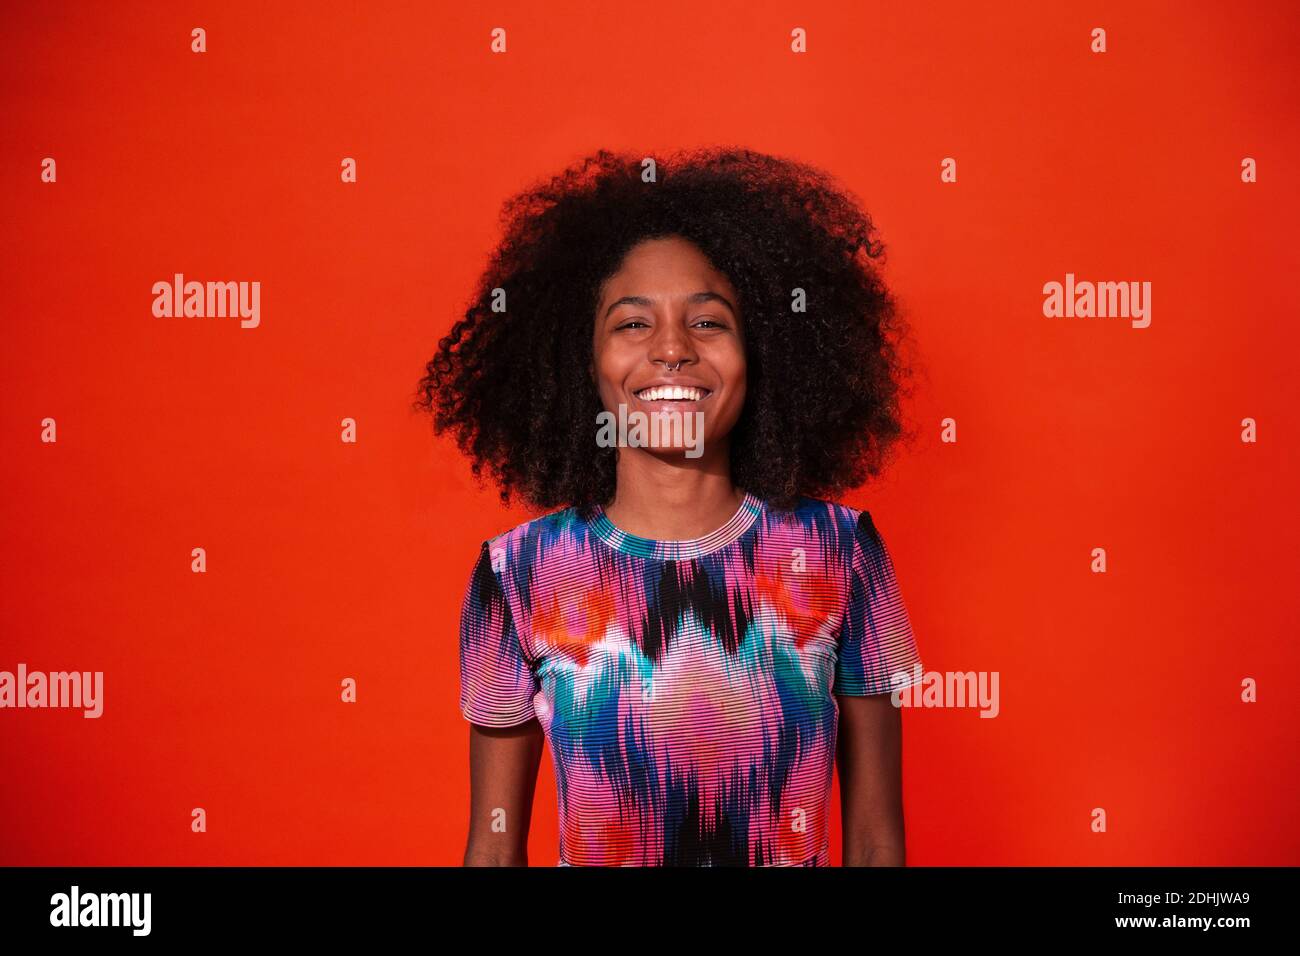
x=673, y=368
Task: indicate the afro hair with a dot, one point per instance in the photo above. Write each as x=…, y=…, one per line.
x=823, y=385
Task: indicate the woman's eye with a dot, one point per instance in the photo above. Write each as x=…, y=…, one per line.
x=701, y=323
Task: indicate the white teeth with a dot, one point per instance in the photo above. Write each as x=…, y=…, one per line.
x=671, y=393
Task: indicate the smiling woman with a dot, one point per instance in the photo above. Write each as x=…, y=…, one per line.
x=642, y=341
x=513, y=379
x=635, y=334
x=699, y=634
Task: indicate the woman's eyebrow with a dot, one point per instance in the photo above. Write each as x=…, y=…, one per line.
x=693, y=299
x=628, y=300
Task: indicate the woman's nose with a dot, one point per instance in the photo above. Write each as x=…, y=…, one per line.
x=670, y=344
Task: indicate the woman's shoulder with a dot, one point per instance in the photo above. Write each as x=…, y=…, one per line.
x=841, y=530
x=824, y=513
x=543, y=530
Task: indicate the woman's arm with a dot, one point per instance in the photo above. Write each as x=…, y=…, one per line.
x=869, y=753
x=503, y=764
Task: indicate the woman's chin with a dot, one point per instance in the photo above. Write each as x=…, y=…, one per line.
x=674, y=452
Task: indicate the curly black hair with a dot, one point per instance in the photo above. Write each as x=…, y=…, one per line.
x=821, y=410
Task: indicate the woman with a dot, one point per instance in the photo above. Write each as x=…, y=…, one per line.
x=697, y=628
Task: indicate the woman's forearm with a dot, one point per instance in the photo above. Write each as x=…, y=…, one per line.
x=869, y=759
x=859, y=852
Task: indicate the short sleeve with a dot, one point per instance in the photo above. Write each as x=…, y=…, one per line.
x=497, y=682
x=875, y=641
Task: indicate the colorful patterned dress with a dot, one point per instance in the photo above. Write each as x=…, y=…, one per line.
x=686, y=688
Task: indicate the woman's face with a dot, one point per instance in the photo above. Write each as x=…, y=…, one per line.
x=667, y=306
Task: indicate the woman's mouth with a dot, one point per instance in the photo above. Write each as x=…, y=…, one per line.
x=673, y=394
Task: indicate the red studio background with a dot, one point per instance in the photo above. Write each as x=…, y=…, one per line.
x=329, y=560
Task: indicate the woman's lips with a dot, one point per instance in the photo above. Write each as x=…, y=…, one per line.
x=672, y=404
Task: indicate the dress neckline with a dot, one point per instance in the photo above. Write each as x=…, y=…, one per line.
x=685, y=548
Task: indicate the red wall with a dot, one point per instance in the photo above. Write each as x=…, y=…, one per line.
x=329, y=560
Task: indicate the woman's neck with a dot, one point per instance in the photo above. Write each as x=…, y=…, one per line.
x=665, y=501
